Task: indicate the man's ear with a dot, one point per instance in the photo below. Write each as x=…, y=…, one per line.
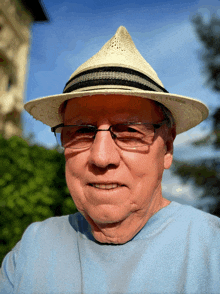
x=168, y=157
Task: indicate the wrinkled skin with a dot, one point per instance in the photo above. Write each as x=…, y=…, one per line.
x=117, y=215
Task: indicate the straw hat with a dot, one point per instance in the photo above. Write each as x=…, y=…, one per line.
x=119, y=68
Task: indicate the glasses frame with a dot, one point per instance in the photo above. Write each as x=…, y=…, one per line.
x=156, y=127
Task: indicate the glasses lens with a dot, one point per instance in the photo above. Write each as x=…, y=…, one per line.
x=133, y=135
x=127, y=136
x=76, y=137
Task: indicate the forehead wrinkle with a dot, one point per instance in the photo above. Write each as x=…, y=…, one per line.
x=114, y=119
x=85, y=113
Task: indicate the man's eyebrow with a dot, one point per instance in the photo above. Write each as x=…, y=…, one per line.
x=78, y=121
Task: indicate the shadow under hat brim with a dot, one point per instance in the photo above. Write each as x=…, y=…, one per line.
x=187, y=112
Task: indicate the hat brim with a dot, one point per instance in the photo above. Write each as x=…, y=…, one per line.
x=186, y=111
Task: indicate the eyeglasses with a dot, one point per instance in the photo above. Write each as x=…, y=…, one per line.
x=126, y=136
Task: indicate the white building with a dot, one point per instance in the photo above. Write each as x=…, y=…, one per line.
x=16, y=18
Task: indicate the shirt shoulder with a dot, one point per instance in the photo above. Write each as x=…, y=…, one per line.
x=199, y=224
x=194, y=215
x=39, y=240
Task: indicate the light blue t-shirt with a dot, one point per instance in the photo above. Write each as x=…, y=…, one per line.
x=177, y=251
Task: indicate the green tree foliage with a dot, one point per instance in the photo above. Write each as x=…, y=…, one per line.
x=32, y=188
x=206, y=172
x=203, y=173
x=209, y=35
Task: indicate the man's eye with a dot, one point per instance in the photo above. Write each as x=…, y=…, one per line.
x=131, y=130
x=85, y=130
x=124, y=129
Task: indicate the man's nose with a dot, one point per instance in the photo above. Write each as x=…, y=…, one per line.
x=104, y=152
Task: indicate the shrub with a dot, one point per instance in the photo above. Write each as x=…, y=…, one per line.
x=32, y=188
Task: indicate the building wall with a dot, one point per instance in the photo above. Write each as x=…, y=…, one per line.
x=15, y=24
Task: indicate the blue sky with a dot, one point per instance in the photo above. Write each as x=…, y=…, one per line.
x=161, y=30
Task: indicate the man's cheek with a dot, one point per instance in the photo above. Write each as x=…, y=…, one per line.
x=75, y=188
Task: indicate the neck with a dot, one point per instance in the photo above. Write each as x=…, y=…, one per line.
x=123, y=231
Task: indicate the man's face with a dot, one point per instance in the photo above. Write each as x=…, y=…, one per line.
x=116, y=214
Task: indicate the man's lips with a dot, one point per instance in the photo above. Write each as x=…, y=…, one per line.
x=105, y=186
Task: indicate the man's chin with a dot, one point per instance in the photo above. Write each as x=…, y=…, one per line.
x=105, y=218
x=98, y=224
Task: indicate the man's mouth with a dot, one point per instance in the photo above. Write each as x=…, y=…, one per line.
x=106, y=186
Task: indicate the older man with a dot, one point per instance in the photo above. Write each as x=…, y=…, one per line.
x=117, y=124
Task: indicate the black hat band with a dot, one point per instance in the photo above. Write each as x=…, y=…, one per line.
x=112, y=76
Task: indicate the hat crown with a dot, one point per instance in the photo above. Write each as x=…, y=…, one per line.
x=119, y=51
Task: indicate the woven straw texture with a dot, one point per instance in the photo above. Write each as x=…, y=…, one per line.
x=120, y=51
